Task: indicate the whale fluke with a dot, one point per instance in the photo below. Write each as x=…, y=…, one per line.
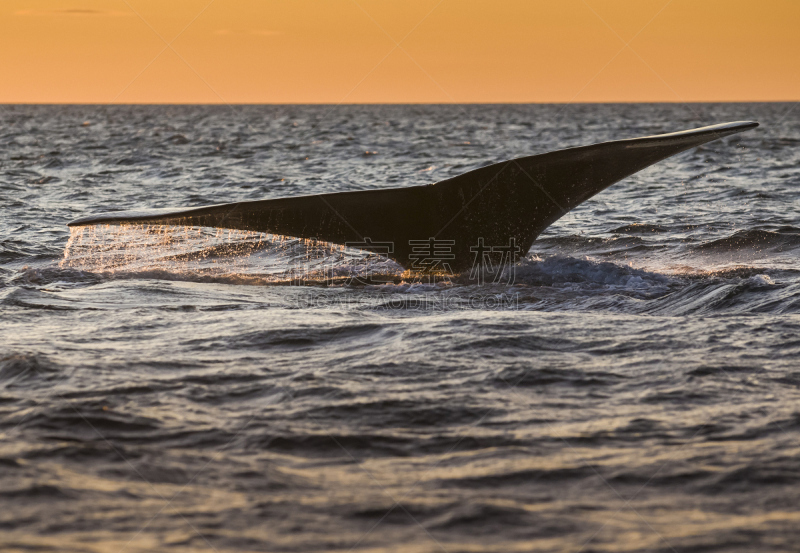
x=498, y=210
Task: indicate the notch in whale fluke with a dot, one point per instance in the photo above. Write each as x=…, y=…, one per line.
x=502, y=205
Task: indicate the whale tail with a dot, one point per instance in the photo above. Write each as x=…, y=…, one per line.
x=496, y=210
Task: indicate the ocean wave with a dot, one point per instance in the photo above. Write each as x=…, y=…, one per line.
x=555, y=282
x=564, y=270
x=640, y=228
x=26, y=369
x=752, y=239
x=571, y=243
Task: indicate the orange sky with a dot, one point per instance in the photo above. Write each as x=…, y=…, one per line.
x=331, y=51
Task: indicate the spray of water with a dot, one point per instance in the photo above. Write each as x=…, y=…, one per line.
x=189, y=253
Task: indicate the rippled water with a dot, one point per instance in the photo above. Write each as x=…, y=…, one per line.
x=635, y=387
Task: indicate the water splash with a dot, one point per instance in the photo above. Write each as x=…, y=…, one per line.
x=236, y=256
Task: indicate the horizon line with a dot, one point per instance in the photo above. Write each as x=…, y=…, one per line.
x=230, y=104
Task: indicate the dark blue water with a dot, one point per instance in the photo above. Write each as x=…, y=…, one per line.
x=635, y=387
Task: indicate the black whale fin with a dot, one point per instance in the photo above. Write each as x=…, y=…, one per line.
x=515, y=199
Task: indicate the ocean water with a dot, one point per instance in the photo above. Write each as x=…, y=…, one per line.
x=634, y=384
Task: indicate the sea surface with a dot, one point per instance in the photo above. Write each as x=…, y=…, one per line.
x=633, y=386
